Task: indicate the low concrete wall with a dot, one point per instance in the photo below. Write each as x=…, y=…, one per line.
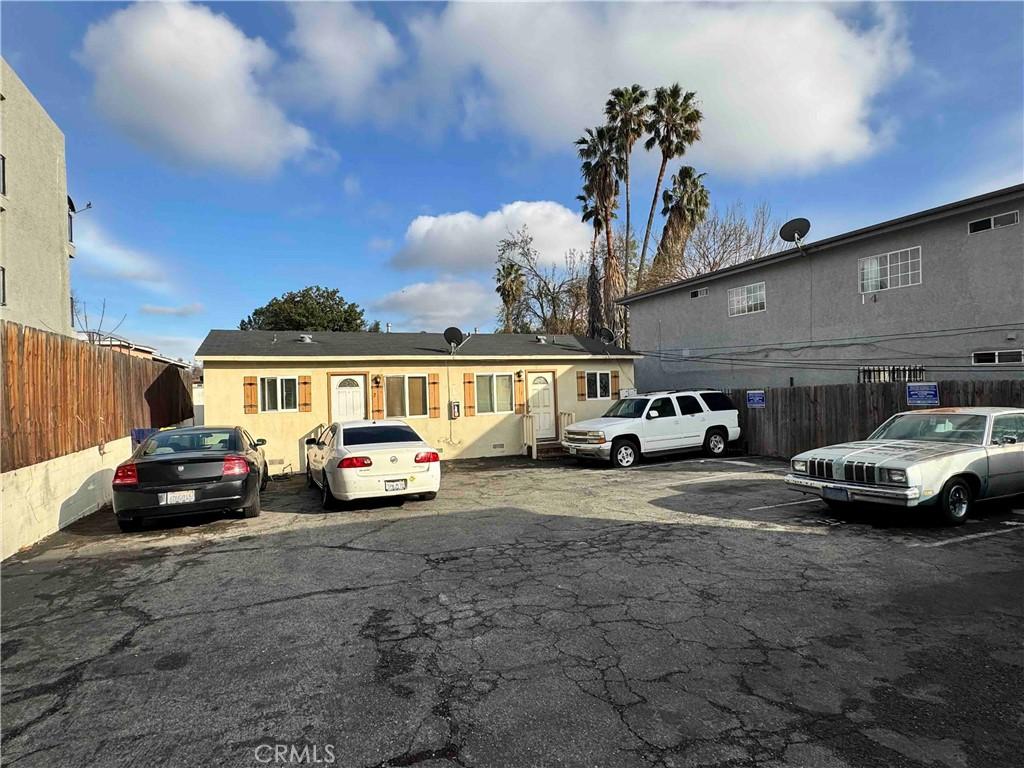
x=40, y=499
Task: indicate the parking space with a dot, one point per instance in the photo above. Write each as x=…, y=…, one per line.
x=684, y=612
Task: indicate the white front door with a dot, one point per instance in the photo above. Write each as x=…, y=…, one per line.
x=348, y=397
x=542, y=404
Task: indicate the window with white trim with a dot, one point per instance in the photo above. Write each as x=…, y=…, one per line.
x=405, y=395
x=747, y=299
x=897, y=269
x=698, y=293
x=494, y=393
x=998, y=357
x=279, y=393
x=998, y=221
x=599, y=385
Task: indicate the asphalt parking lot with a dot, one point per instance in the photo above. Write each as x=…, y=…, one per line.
x=683, y=613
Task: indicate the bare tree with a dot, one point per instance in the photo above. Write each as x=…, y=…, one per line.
x=94, y=334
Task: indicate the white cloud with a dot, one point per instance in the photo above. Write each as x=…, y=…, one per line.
x=785, y=87
x=466, y=241
x=379, y=244
x=352, y=185
x=185, y=310
x=184, y=81
x=98, y=253
x=436, y=305
x=178, y=347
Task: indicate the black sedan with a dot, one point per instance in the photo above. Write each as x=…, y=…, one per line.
x=188, y=470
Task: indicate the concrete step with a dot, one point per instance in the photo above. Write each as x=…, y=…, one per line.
x=550, y=450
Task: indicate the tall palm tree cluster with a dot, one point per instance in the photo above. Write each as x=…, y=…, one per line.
x=670, y=121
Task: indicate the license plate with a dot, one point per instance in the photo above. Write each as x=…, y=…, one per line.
x=572, y=451
x=837, y=494
x=394, y=485
x=178, y=497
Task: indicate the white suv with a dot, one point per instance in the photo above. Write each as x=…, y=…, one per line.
x=656, y=422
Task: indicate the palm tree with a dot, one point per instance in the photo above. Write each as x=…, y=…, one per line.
x=626, y=110
x=598, y=149
x=685, y=204
x=673, y=122
x=510, y=285
x=595, y=313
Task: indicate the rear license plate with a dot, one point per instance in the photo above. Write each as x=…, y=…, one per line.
x=572, y=451
x=837, y=494
x=394, y=485
x=178, y=497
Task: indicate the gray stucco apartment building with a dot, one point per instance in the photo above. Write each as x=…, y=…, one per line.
x=935, y=295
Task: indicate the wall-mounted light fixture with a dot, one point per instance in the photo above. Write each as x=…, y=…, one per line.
x=520, y=374
x=376, y=380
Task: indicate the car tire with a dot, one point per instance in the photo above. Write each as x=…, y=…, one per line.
x=625, y=454
x=309, y=478
x=129, y=526
x=264, y=478
x=956, y=501
x=715, y=443
x=253, y=510
x=327, y=500
x=430, y=496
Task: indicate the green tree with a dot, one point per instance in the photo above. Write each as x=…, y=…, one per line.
x=314, y=308
x=685, y=204
x=673, y=122
x=510, y=285
x=599, y=151
x=595, y=308
x=626, y=110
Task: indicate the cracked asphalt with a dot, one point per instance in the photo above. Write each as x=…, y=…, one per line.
x=685, y=613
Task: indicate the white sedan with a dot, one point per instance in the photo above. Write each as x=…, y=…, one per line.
x=368, y=459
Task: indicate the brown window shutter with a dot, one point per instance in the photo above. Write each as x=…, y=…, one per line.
x=377, y=397
x=249, y=394
x=305, y=394
x=434, y=395
x=469, y=394
x=520, y=395
x=581, y=385
x=615, y=385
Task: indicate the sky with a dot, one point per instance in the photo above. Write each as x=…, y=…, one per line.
x=236, y=151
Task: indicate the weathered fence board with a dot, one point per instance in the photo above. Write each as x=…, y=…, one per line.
x=797, y=419
x=62, y=395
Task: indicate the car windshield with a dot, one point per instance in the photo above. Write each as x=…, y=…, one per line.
x=379, y=434
x=630, y=408
x=935, y=427
x=181, y=442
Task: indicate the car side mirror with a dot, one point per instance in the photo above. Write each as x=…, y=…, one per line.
x=260, y=441
x=652, y=414
x=310, y=441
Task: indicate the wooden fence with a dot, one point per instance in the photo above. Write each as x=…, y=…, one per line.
x=797, y=419
x=62, y=395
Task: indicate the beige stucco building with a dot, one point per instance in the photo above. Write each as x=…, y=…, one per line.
x=35, y=212
x=496, y=396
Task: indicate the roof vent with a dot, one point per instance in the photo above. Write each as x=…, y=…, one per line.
x=305, y=338
x=542, y=339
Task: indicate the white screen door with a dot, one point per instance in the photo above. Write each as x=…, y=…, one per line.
x=348, y=398
x=542, y=405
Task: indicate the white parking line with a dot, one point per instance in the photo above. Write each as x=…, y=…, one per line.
x=784, y=504
x=958, y=539
x=729, y=476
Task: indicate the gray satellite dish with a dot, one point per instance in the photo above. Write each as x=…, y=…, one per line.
x=605, y=336
x=795, y=230
x=454, y=337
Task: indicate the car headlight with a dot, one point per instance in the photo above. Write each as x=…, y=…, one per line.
x=799, y=465
x=595, y=437
x=894, y=476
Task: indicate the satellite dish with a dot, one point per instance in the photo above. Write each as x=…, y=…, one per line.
x=453, y=336
x=606, y=336
x=795, y=230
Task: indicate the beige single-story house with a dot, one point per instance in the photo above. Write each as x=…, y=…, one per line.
x=498, y=394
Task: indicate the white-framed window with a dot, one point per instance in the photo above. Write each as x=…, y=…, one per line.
x=697, y=293
x=998, y=357
x=405, y=395
x=1007, y=219
x=747, y=299
x=599, y=385
x=494, y=393
x=897, y=269
x=279, y=393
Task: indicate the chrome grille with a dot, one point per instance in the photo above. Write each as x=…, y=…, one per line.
x=576, y=436
x=820, y=468
x=859, y=472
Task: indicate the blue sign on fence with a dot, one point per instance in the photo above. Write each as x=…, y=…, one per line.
x=924, y=393
x=755, y=398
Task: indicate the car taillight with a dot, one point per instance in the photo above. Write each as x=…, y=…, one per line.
x=126, y=474
x=355, y=462
x=425, y=457
x=235, y=465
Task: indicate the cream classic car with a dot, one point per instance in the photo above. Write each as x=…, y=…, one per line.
x=948, y=457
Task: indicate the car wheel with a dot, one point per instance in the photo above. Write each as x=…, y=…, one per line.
x=264, y=478
x=309, y=478
x=129, y=526
x=625, y=453
x=429, y=496
x=327, y=500
x=715, y=442
x=253, y=510
x=956, y=501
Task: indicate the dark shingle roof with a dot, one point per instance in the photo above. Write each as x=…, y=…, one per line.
x=396, y=345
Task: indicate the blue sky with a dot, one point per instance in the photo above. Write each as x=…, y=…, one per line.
x=236, y=151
